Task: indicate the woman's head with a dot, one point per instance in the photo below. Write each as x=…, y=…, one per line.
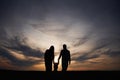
x=52, y=48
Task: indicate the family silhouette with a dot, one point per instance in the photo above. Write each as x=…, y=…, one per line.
x=49, y=58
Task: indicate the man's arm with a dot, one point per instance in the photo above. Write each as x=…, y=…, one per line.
x=60, y=55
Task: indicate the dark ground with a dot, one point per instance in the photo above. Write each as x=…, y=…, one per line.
x=69, y=75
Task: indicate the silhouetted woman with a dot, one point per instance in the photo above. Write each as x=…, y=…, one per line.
x=49, y=58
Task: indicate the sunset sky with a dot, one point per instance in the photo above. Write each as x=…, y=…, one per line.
x=90, y=28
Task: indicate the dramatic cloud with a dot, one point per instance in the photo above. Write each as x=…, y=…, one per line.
x=18, y=53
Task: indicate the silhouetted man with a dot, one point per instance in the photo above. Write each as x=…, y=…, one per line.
x=65, y=54
x=49, y=58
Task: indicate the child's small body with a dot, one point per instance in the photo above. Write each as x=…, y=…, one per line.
x=55, y=66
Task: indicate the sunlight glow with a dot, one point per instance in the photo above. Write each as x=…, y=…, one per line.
x=56, y=59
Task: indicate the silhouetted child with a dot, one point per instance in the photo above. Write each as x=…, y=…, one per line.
x=56, y=66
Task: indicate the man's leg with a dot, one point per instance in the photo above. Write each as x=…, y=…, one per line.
x=64, y=67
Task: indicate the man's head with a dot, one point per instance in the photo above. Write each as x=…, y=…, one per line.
x=64, y=46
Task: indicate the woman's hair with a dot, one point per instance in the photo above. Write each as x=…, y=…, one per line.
x=51, y=48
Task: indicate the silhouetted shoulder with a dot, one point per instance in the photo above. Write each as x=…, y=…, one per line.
x=46, y=51
x=68, y=51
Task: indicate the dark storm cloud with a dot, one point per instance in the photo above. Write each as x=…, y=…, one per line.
x=112, y=53
x=14, y=61
x=18, y=45
x=2, y=33
x=82, y=40
x=97, y=51
x=93, y=53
